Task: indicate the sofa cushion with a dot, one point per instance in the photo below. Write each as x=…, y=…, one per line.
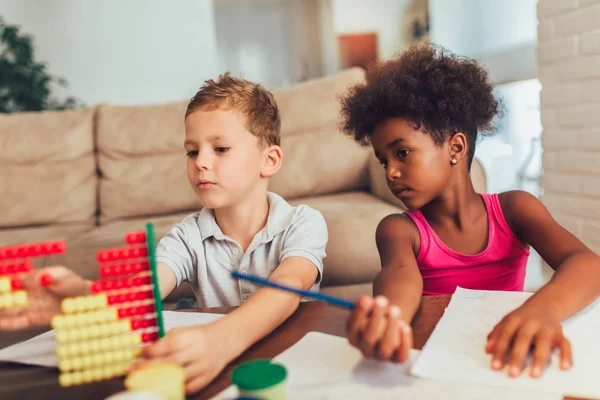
x=142, y=161
x=352, y=220
x=321, y=161
x=48, y=168
x=317, y=158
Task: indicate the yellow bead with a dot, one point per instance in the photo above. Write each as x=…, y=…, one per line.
x=98, y=374
x=62, y=351
x=77, y=363
x=105, y=344
x=102, y=300
x=88, y=376
x=83, y=348
x=73, y=334
x=109, y=357
x=94, y=331
x=20, y=298
x=58, y=321
x=86, y=361
x=61, y=336
x=5, y=285
x=77, y=378
x=136, y=352
x=65, y=365
x=98, y=359
x=9, y=300
x=68, y=305
x=65, y=380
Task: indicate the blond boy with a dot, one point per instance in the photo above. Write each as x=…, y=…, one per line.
x=232, y=144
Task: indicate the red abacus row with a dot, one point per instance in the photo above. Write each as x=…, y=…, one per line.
x=135, y=237
x=127, y=297
x=123, y=269
x=121, y=254
x=33, y=250
x=142, y=323
x=128, y=312
x=149, y=337
x=16, y=268
x=116, y=284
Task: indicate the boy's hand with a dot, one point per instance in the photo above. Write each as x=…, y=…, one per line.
x=43, y=302
x=200, y=350
x=376, y=329
x=527, y=328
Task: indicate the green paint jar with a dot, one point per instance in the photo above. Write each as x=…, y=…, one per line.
x=261, y=379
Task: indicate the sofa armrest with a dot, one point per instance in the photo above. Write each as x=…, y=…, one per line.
x=378, y=185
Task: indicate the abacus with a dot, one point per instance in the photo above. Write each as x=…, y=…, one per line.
x=100, y=335
x=15, y=261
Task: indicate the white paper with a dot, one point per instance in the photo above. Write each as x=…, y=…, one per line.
x=41, y=349
x=322, y=366
x=455, y=350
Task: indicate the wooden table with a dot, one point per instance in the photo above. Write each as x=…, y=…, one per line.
x=26, y=382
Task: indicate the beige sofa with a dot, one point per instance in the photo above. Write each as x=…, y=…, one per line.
x=89, y=176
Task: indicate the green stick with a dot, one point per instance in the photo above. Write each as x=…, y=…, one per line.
x=158, y=304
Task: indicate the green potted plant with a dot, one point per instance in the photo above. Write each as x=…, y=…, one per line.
x=25, y=84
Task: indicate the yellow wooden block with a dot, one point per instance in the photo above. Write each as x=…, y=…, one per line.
x=168, y=380
x=5, y=285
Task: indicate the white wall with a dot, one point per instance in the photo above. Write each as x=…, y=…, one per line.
x=500, y=34
x=122, y=52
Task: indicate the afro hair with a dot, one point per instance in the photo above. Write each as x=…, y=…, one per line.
x=440, y=93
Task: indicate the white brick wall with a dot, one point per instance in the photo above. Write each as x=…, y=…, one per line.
x=569, y=70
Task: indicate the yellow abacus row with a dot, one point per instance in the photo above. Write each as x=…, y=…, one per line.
x=84, y=303
x=85, y=318
x=92, y=331
x=96, y=345
x=11, y=299
x=5, y=285
x=93, y=375
x=98, y=359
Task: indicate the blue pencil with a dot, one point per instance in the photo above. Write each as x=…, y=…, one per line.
x=318, y=296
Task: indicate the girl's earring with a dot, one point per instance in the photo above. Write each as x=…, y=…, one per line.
x=453, y=162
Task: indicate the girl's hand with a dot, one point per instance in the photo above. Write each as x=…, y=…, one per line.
x=376, y=329
x=200, y=350
x=524, y=329
x=43, y=302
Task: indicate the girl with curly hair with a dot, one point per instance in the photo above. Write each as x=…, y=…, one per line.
x=422, y=113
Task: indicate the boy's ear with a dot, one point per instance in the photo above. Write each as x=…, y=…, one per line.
x=457, y=146
x=273, y=156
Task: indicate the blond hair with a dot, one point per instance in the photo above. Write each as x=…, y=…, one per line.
x=251, y=99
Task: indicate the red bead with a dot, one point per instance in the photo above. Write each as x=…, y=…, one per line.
x=11, y=252
x=135, y=237
x=119, y=284
x=138, y=281
x=33, y=250
x=26, y=266
x=97, y=287
x=16, y=284
x=11, y=268
x=103, y=256
x=2, y=253
x=46, y=280
x=46, y=249
x=111, y=299
x=128, y=268
x=59, y=247
x=3, y=270
x=149, y=308
x=22, y=251
x=121, y=298
x=129, y=282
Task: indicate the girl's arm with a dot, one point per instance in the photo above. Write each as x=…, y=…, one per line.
x=380, y=327
x=576, y=281
x=574, y=285
x=399, y=279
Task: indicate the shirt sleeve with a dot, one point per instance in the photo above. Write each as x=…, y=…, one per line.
x=174, y=250
x=307, y=237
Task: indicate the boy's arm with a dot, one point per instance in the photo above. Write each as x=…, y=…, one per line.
x=399, y=279
x=267, y=308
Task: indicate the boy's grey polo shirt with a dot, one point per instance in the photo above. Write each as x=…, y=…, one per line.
x=198, y=251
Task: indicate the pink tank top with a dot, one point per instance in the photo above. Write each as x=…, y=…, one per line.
x=501, y=266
